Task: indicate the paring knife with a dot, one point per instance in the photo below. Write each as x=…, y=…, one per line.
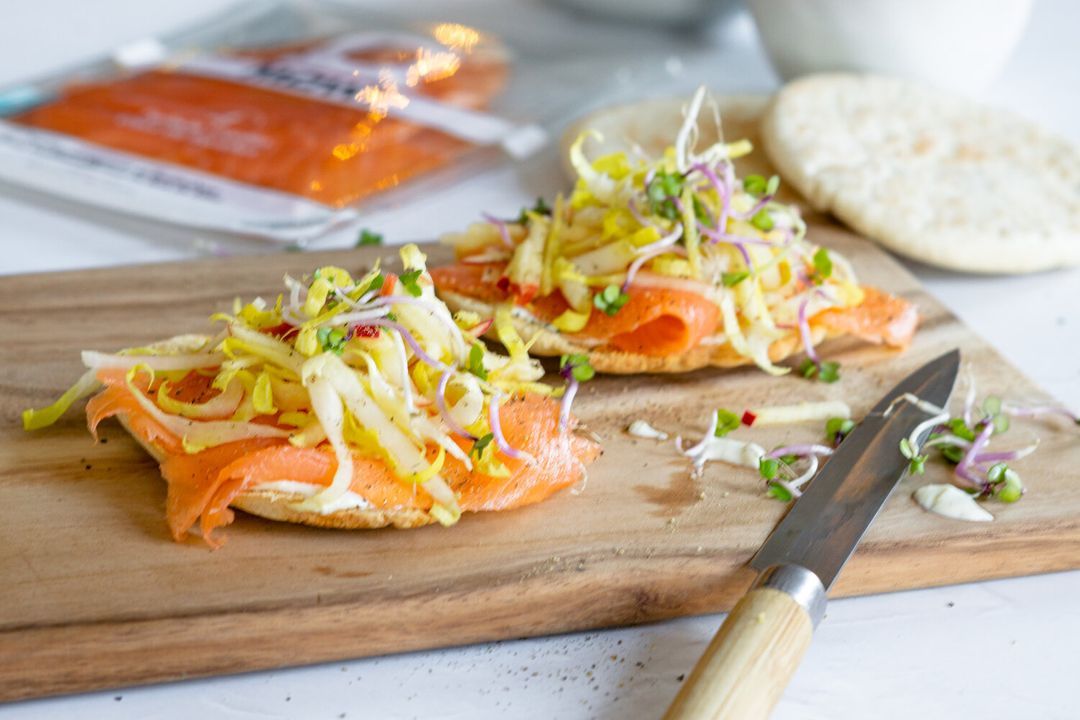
x=758, y=648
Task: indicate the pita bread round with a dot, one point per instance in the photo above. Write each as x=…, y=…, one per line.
x=930, y=175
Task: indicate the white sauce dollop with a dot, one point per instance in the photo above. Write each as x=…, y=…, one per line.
x=951, y=502
x=642, y=429
x=729, y=450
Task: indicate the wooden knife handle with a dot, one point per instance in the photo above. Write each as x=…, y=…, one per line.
x=748, y=664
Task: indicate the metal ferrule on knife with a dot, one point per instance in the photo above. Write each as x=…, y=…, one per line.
x=804, y=587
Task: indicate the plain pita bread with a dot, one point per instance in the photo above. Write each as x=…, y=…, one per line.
x=928, y=174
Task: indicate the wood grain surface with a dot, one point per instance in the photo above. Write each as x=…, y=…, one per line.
x=95, y=594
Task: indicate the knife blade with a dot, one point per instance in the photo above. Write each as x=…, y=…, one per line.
x=757, y=649
x=822, y=529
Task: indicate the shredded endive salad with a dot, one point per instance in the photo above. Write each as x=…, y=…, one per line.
x=374, y=365
x=681, y=221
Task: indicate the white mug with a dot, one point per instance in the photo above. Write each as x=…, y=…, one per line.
x=957, y=44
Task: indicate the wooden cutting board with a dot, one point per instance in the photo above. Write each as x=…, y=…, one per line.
x=95, y=594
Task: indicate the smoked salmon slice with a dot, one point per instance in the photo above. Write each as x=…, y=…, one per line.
x=668, y=321
x=202, y=485
x=654, y=321
x=879, y=318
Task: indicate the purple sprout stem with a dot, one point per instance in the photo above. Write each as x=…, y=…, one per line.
x=567, y=400
x=504, y=232
x=759, y=205
x=440, y=398
x=800, y=450
x=637, y=215
x=964, y=467
x=497, y=433
x=804, y=332
x=1040, y=410
x=408, y=337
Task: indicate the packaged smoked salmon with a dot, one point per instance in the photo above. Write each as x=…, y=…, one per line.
x=274, y=120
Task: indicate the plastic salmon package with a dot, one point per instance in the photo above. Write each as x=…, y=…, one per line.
x=271, y=120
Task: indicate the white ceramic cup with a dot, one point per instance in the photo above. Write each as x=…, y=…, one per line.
x=958, y=44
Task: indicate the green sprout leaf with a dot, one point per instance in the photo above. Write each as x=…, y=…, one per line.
x=367, y=237
x=906, y=449
x=475, y=364
x=731, y=279
x=762, y=220
x=409, y=280
x=773, y=185
x=755, y=184
x=1001, y=424
x=540, y=207
x=952, y=453
x=838, y=428
x=1010, y=489
x=917, y=464
x=481, y=444
x=610, y=300
x=769, y=468
x=661, y=191
x=960, y=429
x=332, y=339
x=829, y=371
x=726, y=421
x=375, y=284
x=992, y=413
x=996, y=473
x=822, y=266
x=778, y=491
x=578, y=364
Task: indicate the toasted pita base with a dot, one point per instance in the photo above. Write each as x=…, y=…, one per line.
x=276, y=505
x=279, y=506
x=618, y=362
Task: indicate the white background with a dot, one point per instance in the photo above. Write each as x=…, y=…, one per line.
x=1003, y=649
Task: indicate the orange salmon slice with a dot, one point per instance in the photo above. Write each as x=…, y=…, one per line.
x=202, y=485
x=879, y=318
x=654, y=321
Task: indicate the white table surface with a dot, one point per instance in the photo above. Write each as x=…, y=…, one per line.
x=1003, y=649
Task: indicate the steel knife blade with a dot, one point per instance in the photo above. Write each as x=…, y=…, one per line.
x=823, y=527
